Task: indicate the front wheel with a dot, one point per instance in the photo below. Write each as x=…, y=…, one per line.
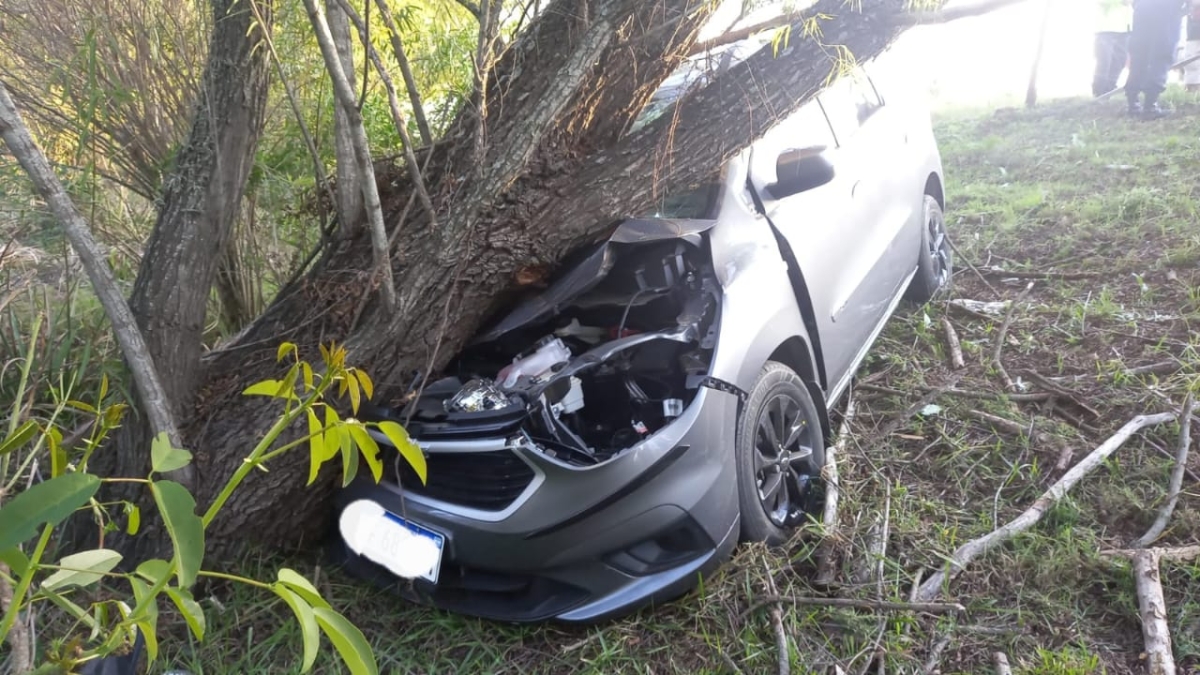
x=935, y=264
x=780, y=452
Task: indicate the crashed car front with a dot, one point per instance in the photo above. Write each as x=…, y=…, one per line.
x=578, y=461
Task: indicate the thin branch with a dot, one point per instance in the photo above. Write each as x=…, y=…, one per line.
x=952, y=341
x=345, y=96
x=960, y=11
x=19, y=643
x=1001, y=661
x=854, y=603
x=1003, y=333
x=935, y=654
x=968, y=552
x=410, y=82
x=829, y=473
x=150, y=390
x=743, y=33
x=1176, y=485
x=471, y=7
x=410, y=158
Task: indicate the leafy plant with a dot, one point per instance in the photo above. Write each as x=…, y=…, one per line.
x=120, y=620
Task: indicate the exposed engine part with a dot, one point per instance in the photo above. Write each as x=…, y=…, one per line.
x=477, y=396
x=672, y=408
x=572, y=401
x=549, y=352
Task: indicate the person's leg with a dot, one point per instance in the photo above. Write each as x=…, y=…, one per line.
x=1191, y=73
x=1141, y=42
x=1161, y=57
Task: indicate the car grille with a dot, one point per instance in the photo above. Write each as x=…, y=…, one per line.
x=488, y=481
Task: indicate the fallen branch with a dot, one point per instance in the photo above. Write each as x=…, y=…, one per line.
x=952, y=341
x=781, y=640
x=1003, y=333
x=970, y=265
x=968, y=552
x=855, y=603
x=20, y=644
x=1161, y=368
x=1065, y=276
x=1001, y=661
x=1176, y=484
x=935, y=655
x=1045, y=383
x=829, y=473
x=1016, y=429
x=1151, y=605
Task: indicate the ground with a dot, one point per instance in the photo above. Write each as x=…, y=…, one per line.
x=1100, y=213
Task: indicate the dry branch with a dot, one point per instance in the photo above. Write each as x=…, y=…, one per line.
x=1151, y=605
x=829, y=473
x=952, y=341
x=150, y=390
x=410, y=82
x=1001, y=661
x=968, y=552
x=362, y=154
x=1176, y=484
x=1003, y=333
x=855, y=603
x=20, y=644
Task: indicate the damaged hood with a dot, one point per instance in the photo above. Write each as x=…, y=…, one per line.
x=585, y=275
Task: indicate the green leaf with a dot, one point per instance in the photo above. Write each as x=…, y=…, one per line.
x=285, y=348
x=367, y=385
x=17, y=561
x=355, y=394
x=190, y=609
x=82, y=569
x=19, y=437
x=166, y=457
x=308, y=624
x=185, y=527
x=85, y=407
x=145, y=604
x=307, y=371
x=154, y=570
x=133, y=518
x=272, y=388
x=408, y=449
x=50, y=502
x=348, y=641
x=296, y=581
x=349, y=456
x=316, y=445
x=148, y=632
x=369, y=449
x=103, y=388
x=58, y=454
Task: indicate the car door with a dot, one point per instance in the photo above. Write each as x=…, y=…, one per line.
x=824, y=226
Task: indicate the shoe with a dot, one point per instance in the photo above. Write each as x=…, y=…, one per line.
x=1154, y=111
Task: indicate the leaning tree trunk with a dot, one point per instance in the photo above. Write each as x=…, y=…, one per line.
x=199, y=205
x=559, y=168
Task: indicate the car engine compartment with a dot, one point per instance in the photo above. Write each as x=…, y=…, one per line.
x=610, y=353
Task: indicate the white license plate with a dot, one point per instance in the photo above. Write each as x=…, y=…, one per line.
x=390, y=542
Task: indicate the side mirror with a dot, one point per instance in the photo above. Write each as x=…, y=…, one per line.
x=800, y=170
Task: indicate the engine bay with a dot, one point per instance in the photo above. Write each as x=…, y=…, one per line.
x=612, y=352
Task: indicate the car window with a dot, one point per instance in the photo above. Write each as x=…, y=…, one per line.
x=699, y=202
x=849, y=103
x=806, y=128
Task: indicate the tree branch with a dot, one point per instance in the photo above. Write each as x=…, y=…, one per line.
x=965, y=10
x=410, y=83
x=133, y=347
x=1176, y=484
x=471, y=7
x=345, y=96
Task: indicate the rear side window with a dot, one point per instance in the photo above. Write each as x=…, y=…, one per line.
x=849, y=103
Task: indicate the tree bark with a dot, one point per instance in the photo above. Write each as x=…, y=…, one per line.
x=350, y=201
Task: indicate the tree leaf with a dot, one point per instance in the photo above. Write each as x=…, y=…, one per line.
x=285, y=348
x=16, y=560
x=411, y=452
x=355, y=394
x=50, y=502
x=369, y=449
x=264, y=388
x=296, y=581
x=349, y=456
x=145, y=605
x=81, y=406
x=149, y=632
x=154, y=570
x=83, y=569
x=58, y=454
x=367, y=385
x=348, y=641
x=133, y=518
x=316, y=446
x=19, y=437
x=308, y=624
x=166, y=457
x=307, y=372
x=103, y=388
x=185, y=527
x=190, y=609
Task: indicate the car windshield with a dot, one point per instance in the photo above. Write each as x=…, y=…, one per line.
x=695, y=203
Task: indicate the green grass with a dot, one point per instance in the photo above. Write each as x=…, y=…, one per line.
x=1070, y=187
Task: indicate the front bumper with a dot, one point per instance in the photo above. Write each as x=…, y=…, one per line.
x=581, y=544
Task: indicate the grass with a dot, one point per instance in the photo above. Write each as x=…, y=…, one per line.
x=1067, y=188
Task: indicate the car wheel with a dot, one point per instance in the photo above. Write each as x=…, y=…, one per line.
x=935, y=266
x=780, y=453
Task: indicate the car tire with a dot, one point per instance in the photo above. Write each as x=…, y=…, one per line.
x=935, y=264
x=778, y=477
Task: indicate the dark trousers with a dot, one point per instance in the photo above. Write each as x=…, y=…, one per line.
x=1152, y=43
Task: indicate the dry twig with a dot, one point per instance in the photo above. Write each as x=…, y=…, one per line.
x=935, y=655
x=1176, y=485
x=855, y=603
x=1001, y=661
x=968, y=552
x=952, y=341
x=1151, y=605
x=1003, y=333
x=829, y=474
x=781, y=640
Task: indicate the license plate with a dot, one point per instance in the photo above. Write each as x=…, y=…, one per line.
x=390, y=542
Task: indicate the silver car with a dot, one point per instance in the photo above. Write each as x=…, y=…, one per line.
x=612, y=438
